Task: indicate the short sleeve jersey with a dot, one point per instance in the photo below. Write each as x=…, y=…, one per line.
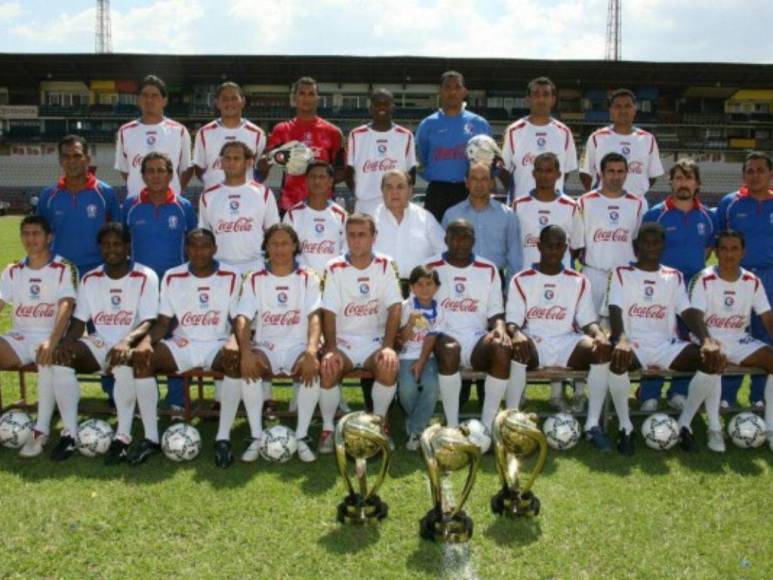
x=430, y=323
x=609, y=228
x=210, y=140
x=533, y=215
x=322, y=233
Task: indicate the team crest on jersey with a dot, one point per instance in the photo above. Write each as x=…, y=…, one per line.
x=541, y=142
x=281, y=298
x=729, y=301
x=150, y=139
x=382, y=147
x=702, y=230
x=91, y=210
x=34, y=291
x=648, y=292
x=771, y=218
x=319, y=227
x=203, y=299
x=364, y=288
x=626, y=149
x=614, y=216
x=115, y=300
x=543, y=220
x=460, y=288
x=549, y=294
x=468, y=128
x=234, y=205
x=173, y=221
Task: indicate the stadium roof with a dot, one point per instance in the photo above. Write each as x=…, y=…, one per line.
x=23, y=70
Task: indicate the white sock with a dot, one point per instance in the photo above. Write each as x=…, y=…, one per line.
x=218, y=390
x=495, y=388
x=382, y=398
x=46, y=399
x=598, y=385
x=230, y=396
x=450, y=387
x=294, y=401
x=516, y=385
x=769, y=405
x=147, y=400
x=252, y=395
x=328, y=405
x=308, y=397
x=620, y=388
x=697, y=391
x=67, y=392
x=125, y=397
x=556, y=390
x=268, y=391
x=713, y=388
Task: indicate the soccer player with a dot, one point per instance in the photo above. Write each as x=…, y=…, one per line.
x=200, y=295
x=375, y=148
x=120, y=299
x=750, y=211
x=323, y=138
x=77, y=206
x=644, y=301
x=230, y=127
x=727, y=294
x=283, y=300
x=531, y=136
x=611, y=218
x=638, y=147
x=474, y=334
x=545, y=304
x=689, y=228
x=441, y=141
x=361, y=306
x=153, y=132
x=41, y=288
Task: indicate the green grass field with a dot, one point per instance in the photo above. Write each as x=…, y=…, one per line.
x=655, y=515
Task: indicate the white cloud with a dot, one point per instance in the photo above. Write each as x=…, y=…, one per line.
x=165, y=26
x=9, y=11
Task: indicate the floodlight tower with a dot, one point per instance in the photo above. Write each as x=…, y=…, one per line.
x=614, y=33
x=104, y=36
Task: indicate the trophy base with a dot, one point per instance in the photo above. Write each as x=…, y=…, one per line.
x=436, y=527
x=354, y=511
x=514, y=504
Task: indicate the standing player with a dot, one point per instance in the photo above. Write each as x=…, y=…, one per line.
x=41, y=288
x=120, y=298
x=638, y=147
x=230, y=127
x=283, y=300
x=153, y=132
x=441, y=142
x=361, y=305
x=375, y=148
x=531, y=136
x=323, y=138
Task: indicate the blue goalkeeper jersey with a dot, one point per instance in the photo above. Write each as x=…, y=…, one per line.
x=754, y=219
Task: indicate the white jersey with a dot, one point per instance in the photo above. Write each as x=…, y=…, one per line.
x=238, y=216
x=372, y=153
x=523, y=141
x=322, y=233
x=609, y=228
x=35, y=294
x=136, y=139
x=547, y=306
x=201, y=306
x=468, y=296
x=280, y=305
x=727, y=306
x=431, y=323
x=116, y=307
x=533, y=215
x=210, y=140
x=640, y=150
x=649, y=301
x=360, y=298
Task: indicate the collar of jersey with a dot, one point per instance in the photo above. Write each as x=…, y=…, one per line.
x=744, y=192
x=533, y=193
x=696, y=203
x=444, y=255
x=417, y=306
x=535, y=267
x=26, y=261
x=217, y=268
x=91, y=183
x=268, y=268
x=145, y=197
x=348, y=258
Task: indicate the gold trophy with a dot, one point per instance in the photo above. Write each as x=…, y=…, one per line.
x=517, y=436
x=445, y=450
x=360, y=436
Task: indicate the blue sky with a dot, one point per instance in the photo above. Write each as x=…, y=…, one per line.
x=659, y=30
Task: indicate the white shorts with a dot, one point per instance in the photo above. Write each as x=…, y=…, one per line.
x=738, y=349
x=189, y=354
x=658, y=355
x=24, y=345
x=359, y=348
x=468, y=343
x=599, y=284
x=99, y=349
x=556, y=351
x=281, y=357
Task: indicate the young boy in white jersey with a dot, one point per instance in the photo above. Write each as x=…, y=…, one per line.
x=283, y=301
x=726, y=294
x=644, y=301
x=41, y=288
x=201, y=295
x=120, y=298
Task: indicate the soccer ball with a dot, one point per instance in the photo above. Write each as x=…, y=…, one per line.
x=15, y=429
x=479, y=435
x=94, y=437
x=483, y=149
x=278, y=444
x=660, y=431
x=562, y=431
x=181, y=442
x=747, y=430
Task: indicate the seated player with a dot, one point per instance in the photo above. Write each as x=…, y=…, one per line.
x=283, y=300
x=474, y=334
x=41, y=288
x=199, y=295
x=361, y=306
x=120, y=299
x=644, y=301
x=726, y=294
x=545, y=304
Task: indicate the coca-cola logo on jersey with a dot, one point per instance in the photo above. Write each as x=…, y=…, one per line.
x=463, y=305
x=379, y=165
x=616, y=235
x=120, y=318
x=528, y=159
x=734, y=322
x=636, y=167
x=42, y=310
x=369, y=308
x=656, y=311
x=243, y=224
x=209, y=318
x=322, y=247
x=551, y=313
x=137, y=160
x=289, y=318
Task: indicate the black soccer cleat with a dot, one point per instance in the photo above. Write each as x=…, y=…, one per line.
x=64, y=448
x=223, y=456
x=144, y=451
x=625, y=443
x=117, y=453
x=687, y=441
